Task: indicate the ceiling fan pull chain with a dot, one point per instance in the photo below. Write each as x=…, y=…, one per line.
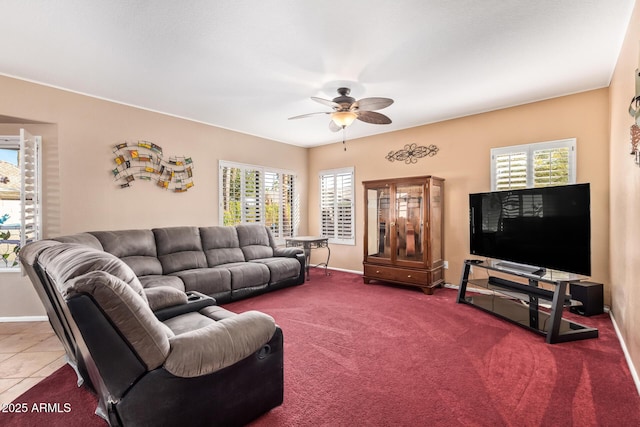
x=344, y=137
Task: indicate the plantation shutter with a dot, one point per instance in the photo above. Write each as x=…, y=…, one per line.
x=287, y=205
x=231, y=195
x=337, y=205
x=533, y=165
x=511, y=170
x=327, y=205
x=344, y=222
x=272, y=202
x=31, y=183
x=551, y=167
x=250, y=193
x=252, y=196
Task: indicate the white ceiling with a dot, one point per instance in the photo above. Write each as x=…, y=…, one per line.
x=249, y=65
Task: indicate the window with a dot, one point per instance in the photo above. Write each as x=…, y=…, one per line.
x=20, y=206
x=534, y=165
x=337, y=205
x=251, y=193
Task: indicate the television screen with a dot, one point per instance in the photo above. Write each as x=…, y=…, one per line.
x=546, y=227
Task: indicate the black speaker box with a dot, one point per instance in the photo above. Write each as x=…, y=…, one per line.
x=590, y=295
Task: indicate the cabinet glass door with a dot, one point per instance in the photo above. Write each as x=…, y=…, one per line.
x=409, y=205
x=378, y=223
x=436, y=224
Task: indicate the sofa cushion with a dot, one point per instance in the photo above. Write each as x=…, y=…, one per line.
x=247, y=274
x=255, y=241
x=218, y=345
x=221, y=245
x=287, y=252
x=129, y=313
x=188, y=322
x=155, y=280
x=280, y=268
x=66, y=261
x=164, y=296
x=209, y=281
x=179, y=248
x=137, y=248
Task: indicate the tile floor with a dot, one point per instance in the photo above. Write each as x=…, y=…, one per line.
x=29, y=352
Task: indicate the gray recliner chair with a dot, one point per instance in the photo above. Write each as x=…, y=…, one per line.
x=189, y=363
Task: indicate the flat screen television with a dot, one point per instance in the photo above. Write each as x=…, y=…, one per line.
x=547, y=228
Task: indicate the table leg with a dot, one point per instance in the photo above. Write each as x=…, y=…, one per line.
x=307, y=254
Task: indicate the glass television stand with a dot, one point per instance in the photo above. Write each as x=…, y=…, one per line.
x=522, y=303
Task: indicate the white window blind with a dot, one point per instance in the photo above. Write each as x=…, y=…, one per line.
x=280, y=203
x=20, y=195
x=533, y=165
x=250, y=193
x=337, y=205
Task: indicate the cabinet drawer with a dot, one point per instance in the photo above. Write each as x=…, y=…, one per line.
x=393, y=274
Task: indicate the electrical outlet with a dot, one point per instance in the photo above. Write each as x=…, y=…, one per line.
x=445, y=265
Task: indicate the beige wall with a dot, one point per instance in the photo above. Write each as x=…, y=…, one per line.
x=80, y=194
x=85, y=196
x=625, y=197
x=463, y=161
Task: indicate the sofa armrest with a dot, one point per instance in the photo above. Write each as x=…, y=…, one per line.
x=192, y=301
x=216, y=346
x=288, y=252
x=164, y=296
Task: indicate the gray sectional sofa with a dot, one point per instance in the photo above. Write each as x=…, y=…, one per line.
x=135, y=314
x=226, y=263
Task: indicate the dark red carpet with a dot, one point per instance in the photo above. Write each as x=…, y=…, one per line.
x=379, y=355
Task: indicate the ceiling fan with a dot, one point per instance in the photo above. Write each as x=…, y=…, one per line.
x=346, y=109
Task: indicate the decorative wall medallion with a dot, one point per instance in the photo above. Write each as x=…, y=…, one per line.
x=143, y=160
x=412, y=152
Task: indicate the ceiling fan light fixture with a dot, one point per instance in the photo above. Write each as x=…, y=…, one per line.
x=343, y=118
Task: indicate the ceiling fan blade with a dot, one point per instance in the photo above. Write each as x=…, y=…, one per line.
x=302, y=116
x=372, y=104
x=333, y=127
x=373, y=118
x=326, y=102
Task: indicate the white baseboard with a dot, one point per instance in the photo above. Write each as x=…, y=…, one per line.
x=339, y=269
x=24, y=319
x=627, y=356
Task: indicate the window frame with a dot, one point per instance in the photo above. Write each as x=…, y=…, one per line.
x=334, y=238
x=529, y=149
x=259, y=203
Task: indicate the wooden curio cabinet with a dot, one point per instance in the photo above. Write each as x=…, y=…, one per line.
x=403, y=239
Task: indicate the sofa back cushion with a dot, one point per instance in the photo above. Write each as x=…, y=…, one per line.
x=67, y=261
x=30, y=252
x=82, y=238
x=179, y=248
x=127, y=311
x=255, y=241
x=221, y=245
x=137, y=248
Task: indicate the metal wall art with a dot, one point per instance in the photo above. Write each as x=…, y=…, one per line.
x=143, y=160
x=634, y=111
x=635, y=138
x=411, y=153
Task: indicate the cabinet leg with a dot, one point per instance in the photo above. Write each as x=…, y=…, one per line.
x=366, y=281
x=427, y=291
